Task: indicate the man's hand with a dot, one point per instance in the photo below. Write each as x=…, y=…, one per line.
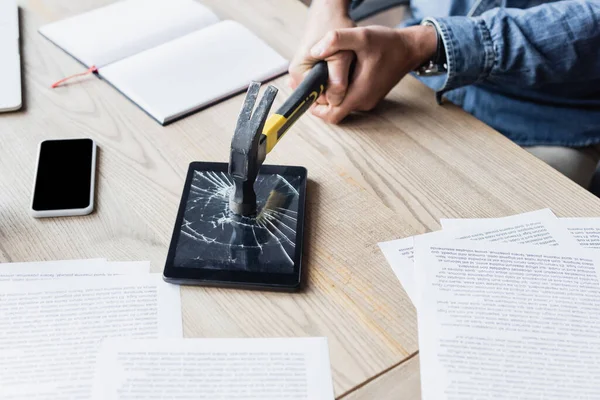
x=324, y=16
x=383, y=57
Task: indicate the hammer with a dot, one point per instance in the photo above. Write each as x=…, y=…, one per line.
x=255, y=135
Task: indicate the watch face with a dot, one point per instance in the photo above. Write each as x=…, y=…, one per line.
x=431, y=69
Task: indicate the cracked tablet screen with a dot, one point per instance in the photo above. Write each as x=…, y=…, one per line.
x=212, y=237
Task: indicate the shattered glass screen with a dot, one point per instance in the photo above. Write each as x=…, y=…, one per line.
x=212, y=237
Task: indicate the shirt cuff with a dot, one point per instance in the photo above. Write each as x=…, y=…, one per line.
x=469, y=49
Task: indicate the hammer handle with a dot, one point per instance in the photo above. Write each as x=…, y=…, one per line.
x=301, y=99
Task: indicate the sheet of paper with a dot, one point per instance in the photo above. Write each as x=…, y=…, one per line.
x=51, y=330
x=84, y=262
x=119, y=30
x=130, y=267
x=195, y=70
x=461, y=223
x=47, y=270
x=538, y=227
x=507, y=321
x=399, y=254
x=585, y=230
x=39, y=270
x=241, y=369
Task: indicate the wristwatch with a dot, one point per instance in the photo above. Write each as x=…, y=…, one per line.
x=438, y=64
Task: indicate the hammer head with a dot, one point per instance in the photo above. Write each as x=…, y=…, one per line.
x=248, y=150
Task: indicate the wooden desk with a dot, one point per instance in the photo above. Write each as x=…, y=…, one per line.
x=381, y=176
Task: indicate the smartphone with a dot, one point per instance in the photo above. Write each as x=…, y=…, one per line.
x=65, y=178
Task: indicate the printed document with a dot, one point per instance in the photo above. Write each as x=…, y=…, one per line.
x=51, y=329
x=47, y=270
x=241, y=369
x=507, y=321
x=585, y=230
x=538, y=227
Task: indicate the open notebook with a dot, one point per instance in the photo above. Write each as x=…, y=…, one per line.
x=170, y=57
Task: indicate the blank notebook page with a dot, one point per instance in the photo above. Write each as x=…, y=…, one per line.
x=111, y=33
x=195, y=70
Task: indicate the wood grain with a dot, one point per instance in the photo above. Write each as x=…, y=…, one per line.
x=400, y=383
x=378, y=176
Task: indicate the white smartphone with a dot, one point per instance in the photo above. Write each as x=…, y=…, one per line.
x=65, y=178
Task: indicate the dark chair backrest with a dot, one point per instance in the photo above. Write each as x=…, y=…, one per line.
x=369, y=8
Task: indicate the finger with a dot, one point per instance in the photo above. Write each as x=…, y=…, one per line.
x=338, y=66
x=330, y=114
x=322, y=99
x=360, y=96
x=291, y=82
x=299, y=67
x=337, y=40
x=318, y=110
x=351, y=102
x=293, y=78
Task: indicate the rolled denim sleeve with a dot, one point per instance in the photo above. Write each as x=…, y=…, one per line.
x=551, y=43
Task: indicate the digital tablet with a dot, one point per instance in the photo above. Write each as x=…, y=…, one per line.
x=212, y=246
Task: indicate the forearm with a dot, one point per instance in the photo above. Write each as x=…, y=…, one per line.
x=552, y=43
x=341, y=6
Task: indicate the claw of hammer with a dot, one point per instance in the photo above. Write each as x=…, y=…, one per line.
x=247, y=154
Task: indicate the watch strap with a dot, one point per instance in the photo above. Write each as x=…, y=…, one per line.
x=438, y=63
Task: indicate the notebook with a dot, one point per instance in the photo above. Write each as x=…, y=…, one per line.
x=170, y=57
x=10, y=66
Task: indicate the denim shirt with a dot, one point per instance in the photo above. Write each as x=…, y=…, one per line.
x=528, y=68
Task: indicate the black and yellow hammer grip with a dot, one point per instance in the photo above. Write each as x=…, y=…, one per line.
x=301, y=99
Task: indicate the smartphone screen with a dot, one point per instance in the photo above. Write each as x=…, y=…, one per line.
x=65, y=176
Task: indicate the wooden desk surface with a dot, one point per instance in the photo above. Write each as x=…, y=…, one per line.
x=381, y=176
